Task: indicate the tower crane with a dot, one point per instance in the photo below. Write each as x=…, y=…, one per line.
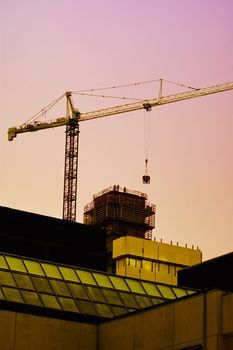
x=72, y=119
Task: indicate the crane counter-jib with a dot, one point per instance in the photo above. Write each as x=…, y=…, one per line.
x=35, y=126
x=146, y=104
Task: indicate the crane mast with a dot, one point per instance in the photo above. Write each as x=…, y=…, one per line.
x=71, y=161
x=72, y=119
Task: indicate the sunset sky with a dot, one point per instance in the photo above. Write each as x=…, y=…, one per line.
x=49, y=47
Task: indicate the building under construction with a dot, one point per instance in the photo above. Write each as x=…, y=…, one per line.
x=122, y=212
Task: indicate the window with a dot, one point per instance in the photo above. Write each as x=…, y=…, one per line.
x=31, y=298
x=51, y=270
x=6, y=279
x=15, y=263
x=60, y=288
x=86, y=277
x=135, y=286
x=195, y=347
x=68, y=304
x=102, y=280
x=23, y=281
x=12, y=294
x=50, y=301
x=118, y=283
x=42, y=284
x=34, y=267
x=68, y=274
x=77, y=291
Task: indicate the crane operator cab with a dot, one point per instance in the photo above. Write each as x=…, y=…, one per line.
x=146, y=177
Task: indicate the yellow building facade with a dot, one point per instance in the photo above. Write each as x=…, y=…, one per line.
x=152, y=260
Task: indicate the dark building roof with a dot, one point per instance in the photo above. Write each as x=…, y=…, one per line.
x=52, y=239
x=211, y=274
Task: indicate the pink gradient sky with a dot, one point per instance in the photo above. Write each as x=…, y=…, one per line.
x=51, y=46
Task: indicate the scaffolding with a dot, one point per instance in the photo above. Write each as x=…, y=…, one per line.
x=122, y=211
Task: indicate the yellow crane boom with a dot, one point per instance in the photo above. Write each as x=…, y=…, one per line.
x=72, y=119
x=147, y=104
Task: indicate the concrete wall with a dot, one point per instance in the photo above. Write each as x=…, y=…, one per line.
x=28, y=332
x=204, y=319
x=227, y=314
x=182, y=324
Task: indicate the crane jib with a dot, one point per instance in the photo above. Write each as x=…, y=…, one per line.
x=147, y=104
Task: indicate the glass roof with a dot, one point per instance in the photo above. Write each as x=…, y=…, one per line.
x=69, y=288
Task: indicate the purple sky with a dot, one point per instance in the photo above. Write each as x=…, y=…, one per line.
x=51, y=46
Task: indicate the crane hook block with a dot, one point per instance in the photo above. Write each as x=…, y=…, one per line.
x=146, y=179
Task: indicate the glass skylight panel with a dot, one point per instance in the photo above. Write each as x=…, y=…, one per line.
x=129, y=300
x=68, y=274
x=1, y=295
x=151, y=289
x=51, y=270
x=166, y=291
x=86, y=307
x=85, y=277
x=3, y=263
x=50, y=301
x=180, y=292
x=119, y=283
x=33, y=267
x=15, y=263
x=31, y=298
x=143, y=301
x=118, y=311
x=12, y=294
x=23, y=281
x=157, y=301
x=135, y=286
x=112, y=297
x=95, y=294
x=77, y=290
x=68, y=304
x=6, y=278
x=42, y=284
x=103, y=310
x=102, y=280
x=60, y=288
x=189, y=291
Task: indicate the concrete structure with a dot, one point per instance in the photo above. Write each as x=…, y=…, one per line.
x=151, y=260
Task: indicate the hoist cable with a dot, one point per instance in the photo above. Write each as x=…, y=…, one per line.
x=146, y=136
